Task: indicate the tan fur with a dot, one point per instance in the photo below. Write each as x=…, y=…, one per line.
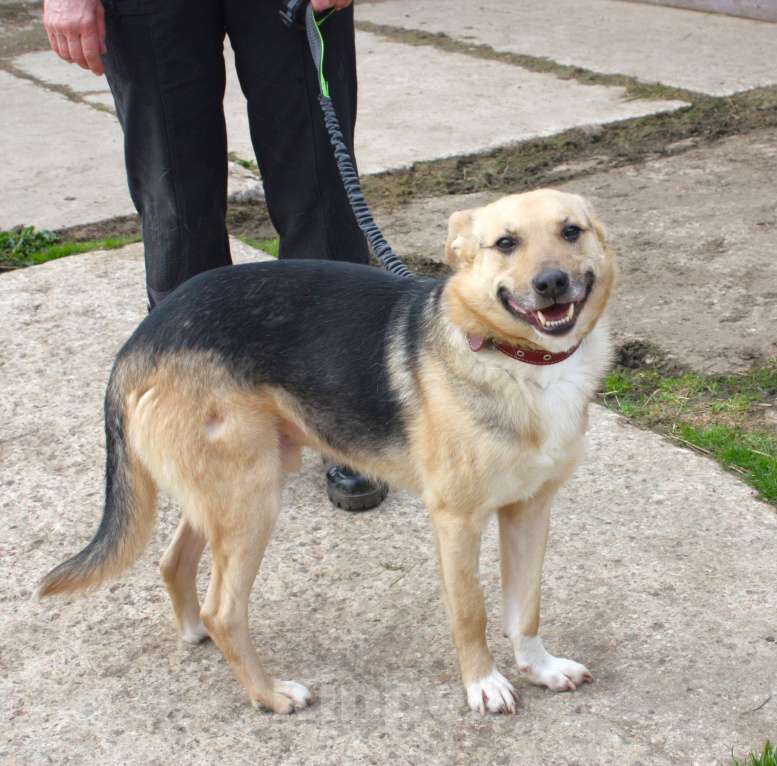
x=144, y=491
x=478, y=427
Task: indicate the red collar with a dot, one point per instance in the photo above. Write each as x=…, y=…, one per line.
x=528, y=355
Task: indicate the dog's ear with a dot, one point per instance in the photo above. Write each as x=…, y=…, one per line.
x=596, y=225
x=599, y=230
x=461, y=245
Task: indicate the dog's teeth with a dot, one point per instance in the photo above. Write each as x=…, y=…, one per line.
x=543, y=321
x=571, y=311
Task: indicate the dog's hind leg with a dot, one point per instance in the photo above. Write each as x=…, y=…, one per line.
x=458, y=548
x=238, y=536
x=523, y=533
x=179, y=571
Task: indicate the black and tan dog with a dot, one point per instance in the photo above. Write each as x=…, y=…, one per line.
x=472, y=391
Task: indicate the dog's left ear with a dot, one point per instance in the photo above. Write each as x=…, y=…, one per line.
x=461, y=246
x=599, y=230
x=596, y=224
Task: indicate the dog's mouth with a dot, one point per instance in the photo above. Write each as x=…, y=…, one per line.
x=557, y=318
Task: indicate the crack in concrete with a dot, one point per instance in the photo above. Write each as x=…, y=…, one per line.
x=62, y=90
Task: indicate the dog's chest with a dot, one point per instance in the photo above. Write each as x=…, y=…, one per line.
x=546, y=415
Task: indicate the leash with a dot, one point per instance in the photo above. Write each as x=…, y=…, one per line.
x=292, y=14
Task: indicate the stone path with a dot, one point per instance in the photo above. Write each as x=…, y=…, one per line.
x=661, y=569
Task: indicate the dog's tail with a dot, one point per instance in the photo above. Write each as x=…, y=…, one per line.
x=128, y=516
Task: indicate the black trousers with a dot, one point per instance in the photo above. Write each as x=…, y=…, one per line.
x=165, y=67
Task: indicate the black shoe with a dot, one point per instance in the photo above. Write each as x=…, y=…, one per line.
x=353, y=491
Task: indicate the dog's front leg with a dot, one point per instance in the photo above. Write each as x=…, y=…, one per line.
x=458, y=548
x=523, y=533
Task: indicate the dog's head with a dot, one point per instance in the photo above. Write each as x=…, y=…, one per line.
x=531, y=267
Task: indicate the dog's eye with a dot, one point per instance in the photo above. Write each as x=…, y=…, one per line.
x=571, y=232
x=506, y=244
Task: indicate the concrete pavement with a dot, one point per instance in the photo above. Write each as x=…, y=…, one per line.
x=718, y=55
x=660, y=576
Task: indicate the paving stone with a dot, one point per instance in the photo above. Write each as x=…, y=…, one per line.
x=660, y=576
x=62, y=161
x=79, y=178
x=713, y=54
x=462, y=105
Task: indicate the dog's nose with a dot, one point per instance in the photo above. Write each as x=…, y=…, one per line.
x=551, y=283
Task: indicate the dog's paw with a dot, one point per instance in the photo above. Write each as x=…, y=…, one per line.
x=194, y=633
x=287, y=697
x=492, y=693
x=543, y=669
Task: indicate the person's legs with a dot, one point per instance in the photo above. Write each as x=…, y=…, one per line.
x=305, y=195
x=165, y=67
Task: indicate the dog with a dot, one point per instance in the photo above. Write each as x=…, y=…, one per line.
x=470, y=390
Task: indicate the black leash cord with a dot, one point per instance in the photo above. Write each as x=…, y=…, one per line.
x=345, y=166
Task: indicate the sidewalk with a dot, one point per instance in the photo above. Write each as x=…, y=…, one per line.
x=660, y=572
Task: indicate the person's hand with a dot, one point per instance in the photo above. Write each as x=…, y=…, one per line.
x=322, y=5
x=76, y=30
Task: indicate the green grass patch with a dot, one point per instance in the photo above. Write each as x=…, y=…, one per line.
x=247, y=164
x=269, y=246
x=731, y=418
x=21, y=243
x=752, y=455
x=768, y=757
x=27, y=246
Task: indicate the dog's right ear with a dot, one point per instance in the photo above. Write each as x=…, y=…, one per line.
x=461, y=247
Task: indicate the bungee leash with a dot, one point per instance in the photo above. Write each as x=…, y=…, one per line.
x=292, y=13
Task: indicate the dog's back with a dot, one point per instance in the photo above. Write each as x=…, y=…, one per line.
x=309, y=327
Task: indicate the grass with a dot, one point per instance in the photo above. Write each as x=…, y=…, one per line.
x=247, y=164
x=766, y=758
x=723, y=416
x=269, y=246
x=27, y=246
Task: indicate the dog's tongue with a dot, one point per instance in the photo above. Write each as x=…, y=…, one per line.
x=555, y=312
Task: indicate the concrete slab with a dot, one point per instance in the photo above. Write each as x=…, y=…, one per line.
x=701, y=52
x=48, y=68
x=660, y=575
x=763, y=10
x=461, y=105
x=694, y=235
x=62, y=161
x=79, y=178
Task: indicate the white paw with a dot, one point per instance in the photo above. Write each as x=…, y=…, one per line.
x=492, y=693
x=543, y=669
x=194, y=633
x=298, y=695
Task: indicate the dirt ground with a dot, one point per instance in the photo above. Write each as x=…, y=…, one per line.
x=695, y=239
